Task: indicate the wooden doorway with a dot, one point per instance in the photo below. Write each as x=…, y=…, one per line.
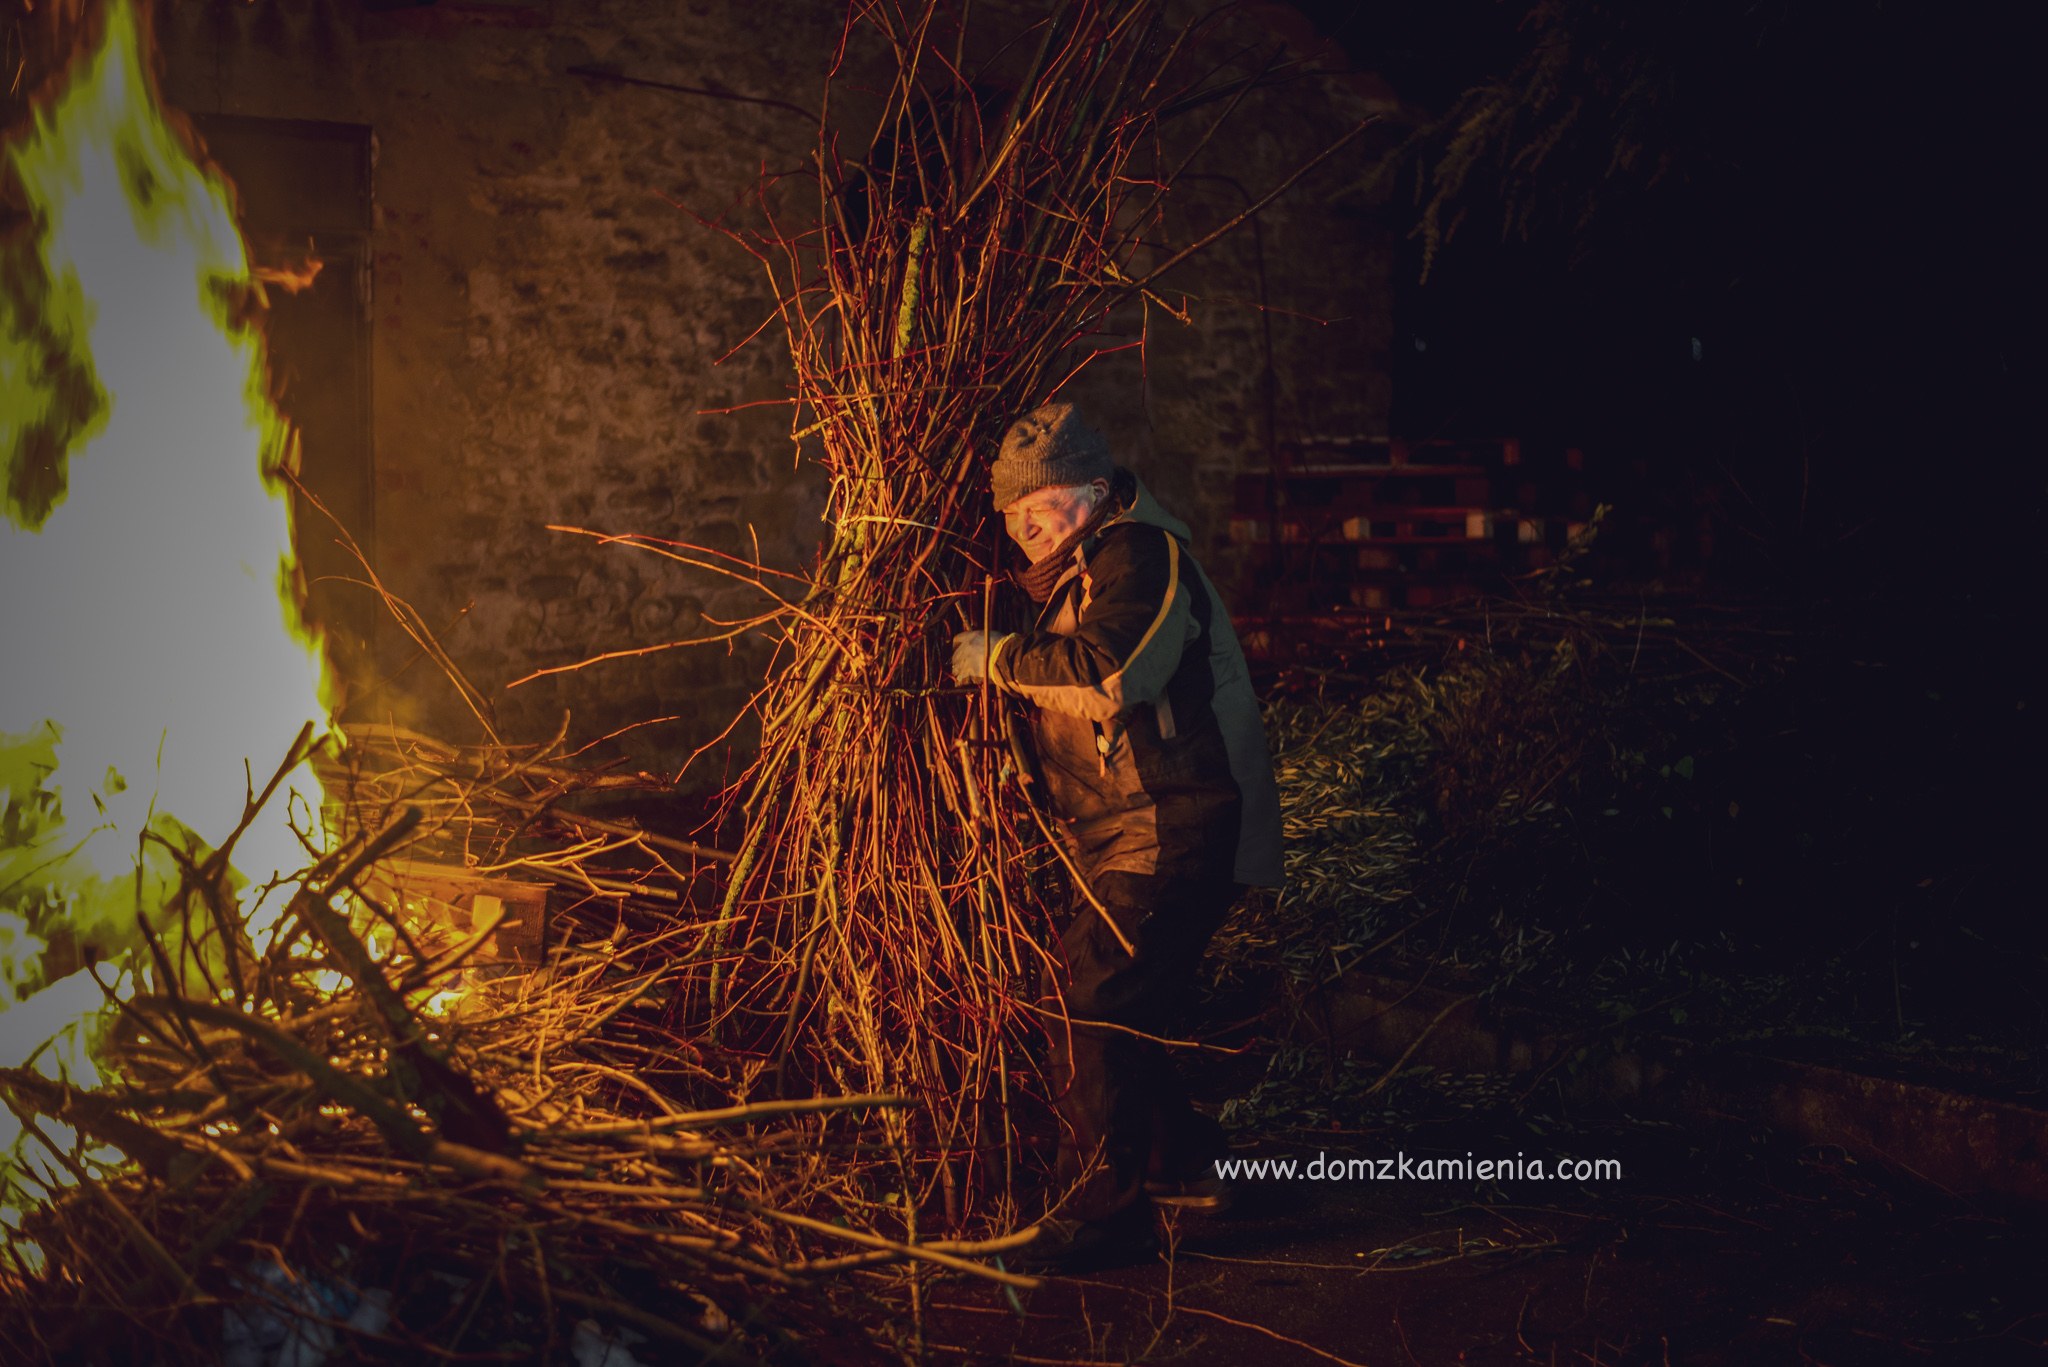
x=305, y=192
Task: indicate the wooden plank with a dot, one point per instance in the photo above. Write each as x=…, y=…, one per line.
x=461, y=898
x=1377, y=470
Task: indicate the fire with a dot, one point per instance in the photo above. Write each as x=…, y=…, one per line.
x=154, y=666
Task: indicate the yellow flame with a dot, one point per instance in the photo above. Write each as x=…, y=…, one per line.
x=152, y=657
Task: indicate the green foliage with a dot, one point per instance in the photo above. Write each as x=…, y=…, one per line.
x=1505, y=813
x=1306, y=1088
x=1593, y=115
x=1634, y=826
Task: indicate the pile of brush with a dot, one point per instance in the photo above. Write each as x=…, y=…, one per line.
x=1470, y=796
x=364, y=1121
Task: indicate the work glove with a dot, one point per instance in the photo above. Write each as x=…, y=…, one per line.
x=972, y=650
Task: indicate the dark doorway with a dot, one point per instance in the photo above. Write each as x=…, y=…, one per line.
x=305, y=197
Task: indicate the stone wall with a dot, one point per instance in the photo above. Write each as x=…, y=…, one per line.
x=1289, y=318
x=550, y=328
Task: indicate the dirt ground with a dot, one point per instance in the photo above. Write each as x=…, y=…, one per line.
x=1715, y=1247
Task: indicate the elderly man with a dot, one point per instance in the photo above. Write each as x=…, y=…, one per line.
x=1155, y=763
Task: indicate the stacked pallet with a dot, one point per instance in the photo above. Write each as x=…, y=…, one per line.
x=1371, y=524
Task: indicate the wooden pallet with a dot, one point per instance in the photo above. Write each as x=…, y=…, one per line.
x=1381, y=523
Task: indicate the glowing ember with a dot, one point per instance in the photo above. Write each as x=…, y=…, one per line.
x=150, y=648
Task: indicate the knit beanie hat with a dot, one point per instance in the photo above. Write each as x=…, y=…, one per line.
x=1048, y=446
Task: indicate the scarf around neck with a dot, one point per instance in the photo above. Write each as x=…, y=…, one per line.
x=1041, y=579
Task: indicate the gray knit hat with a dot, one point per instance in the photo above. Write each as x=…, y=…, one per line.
x=1048, y=446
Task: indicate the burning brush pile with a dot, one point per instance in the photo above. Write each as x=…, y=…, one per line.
x=275, y=1085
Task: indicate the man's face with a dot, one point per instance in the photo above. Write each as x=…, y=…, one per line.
x=1039, y=521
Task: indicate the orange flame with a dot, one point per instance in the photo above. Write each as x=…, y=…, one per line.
x=151, y=651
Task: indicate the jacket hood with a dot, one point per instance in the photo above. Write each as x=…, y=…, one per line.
x=1147, y=510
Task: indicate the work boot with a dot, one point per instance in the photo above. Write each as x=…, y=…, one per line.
x=1207, y=1193
x=1066, y=1246
x=1180, y=1170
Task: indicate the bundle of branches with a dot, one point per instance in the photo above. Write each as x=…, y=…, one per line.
x=340, y=1126
x=883, y=913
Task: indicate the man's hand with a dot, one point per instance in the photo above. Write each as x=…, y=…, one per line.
x=972, y=650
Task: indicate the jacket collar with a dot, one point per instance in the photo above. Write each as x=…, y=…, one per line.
x=1140, y=508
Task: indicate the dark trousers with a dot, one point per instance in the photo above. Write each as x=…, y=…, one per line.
x=1123, y=1109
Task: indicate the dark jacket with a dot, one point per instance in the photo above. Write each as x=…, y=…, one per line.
x=1147, y=730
